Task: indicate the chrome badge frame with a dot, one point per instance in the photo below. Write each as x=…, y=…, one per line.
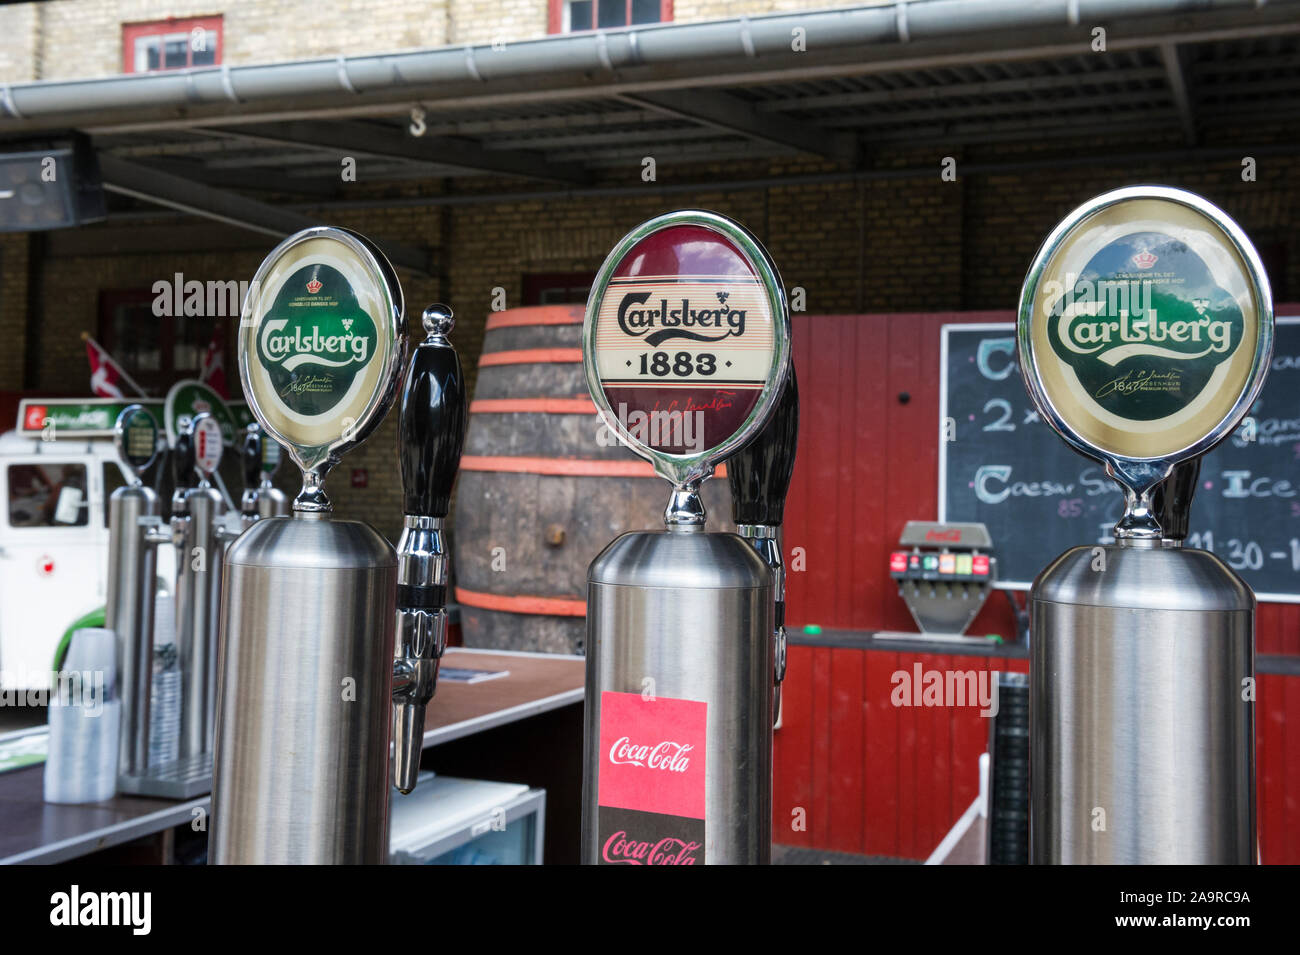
x=1140, y=476
x=686, y=471
x=315, y=459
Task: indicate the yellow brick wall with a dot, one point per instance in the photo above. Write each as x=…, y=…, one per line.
x=64, y=39
x=18, y=32
x=82, y=38
x=477, y=21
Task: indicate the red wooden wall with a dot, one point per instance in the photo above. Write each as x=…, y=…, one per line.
x=870, y=777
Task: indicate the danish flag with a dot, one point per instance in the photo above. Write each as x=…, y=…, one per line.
x=212, y=367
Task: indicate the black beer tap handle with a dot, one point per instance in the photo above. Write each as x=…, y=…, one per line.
x=432, y=434
x=183, y=458
x=1171, y=501
x=250, y=457
x=759, y=473
x=432, y=419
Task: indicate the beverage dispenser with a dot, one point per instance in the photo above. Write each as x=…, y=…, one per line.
x=686, y=346
x=1145, y=332
x=314, y=606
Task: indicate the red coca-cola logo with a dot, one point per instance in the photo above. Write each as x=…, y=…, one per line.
x=667, y=756
x=619, y=849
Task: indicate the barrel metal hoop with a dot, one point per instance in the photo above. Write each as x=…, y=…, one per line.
x=524, y=603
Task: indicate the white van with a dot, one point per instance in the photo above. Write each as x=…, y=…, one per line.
x=54, y=537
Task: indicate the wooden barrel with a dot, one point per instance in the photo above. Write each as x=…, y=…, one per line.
x=540, y=495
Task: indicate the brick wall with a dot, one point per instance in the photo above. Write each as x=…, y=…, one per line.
x=13, y=312
x=64, y=39
x=83, y=38
x=19, y=29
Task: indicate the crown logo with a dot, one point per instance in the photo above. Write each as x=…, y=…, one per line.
x=313, y=286
x=1144, y=260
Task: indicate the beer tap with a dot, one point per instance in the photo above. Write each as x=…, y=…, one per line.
x=182, y=472
x=250, y=465
x=1172, y=500
x=432, y=434
x=259, y=457
x=759, y=475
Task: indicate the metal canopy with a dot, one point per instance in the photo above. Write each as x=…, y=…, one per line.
x=572, y=108
x=1190, y=89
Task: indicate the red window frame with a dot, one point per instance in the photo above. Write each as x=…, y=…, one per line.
x=538, y=283
x=134, y=31
x=555, y=16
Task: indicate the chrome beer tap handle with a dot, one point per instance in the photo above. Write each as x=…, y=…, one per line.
x=759, y=475
x=432, y=434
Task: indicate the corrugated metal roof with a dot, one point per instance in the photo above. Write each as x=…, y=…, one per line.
x=1227, y=82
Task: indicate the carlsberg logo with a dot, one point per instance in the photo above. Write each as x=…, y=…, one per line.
x=1145, y=328
x=293, y=349
x=1117, y=320
x=315, y=340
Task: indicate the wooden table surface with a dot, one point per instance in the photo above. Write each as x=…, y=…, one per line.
x=32, y=830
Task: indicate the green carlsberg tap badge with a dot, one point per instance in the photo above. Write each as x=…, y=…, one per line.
x=315, y=339
x=1144, y=326
x=321, y=339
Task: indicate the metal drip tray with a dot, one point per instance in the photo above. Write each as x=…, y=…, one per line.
x=182, y=778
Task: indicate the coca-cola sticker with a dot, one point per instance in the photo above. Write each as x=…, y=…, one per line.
x=651, y=780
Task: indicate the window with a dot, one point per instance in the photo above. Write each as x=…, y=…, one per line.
x=572, y=16
x=156, y=351
x=48, y=495
x=171, y=44
x=558, y=288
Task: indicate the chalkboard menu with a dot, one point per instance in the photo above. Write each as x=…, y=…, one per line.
x=1001, y=465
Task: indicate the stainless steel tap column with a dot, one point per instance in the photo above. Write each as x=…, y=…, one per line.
x=198, y=587
x=432, y=437
x=309, y=608
x=132, y=557
x=686, y=347
x=1145, y=334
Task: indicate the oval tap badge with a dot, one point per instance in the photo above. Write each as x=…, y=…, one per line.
x=686, y=340
x=208, y=443
x=1145, y=326
x=320, y=341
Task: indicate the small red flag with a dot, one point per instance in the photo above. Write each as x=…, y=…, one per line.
x=212, y=368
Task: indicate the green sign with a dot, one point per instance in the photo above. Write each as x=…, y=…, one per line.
x=1145, y=326
x=190, y=398
x=315, y=339
x=73, y=417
